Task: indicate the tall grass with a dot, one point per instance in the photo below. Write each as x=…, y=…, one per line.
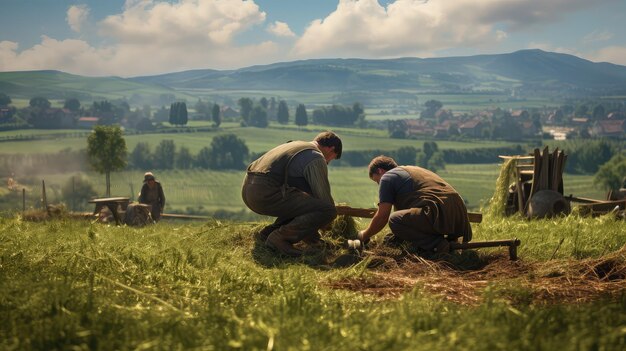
x=75, y=285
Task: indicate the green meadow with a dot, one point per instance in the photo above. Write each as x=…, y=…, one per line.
x=70, y=284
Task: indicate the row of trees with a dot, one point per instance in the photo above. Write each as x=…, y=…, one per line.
x=226, y=151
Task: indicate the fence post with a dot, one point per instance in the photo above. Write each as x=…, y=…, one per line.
x=23, y=200
x=44, y=200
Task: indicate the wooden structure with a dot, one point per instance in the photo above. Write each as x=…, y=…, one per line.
x=541, y=170
x=117, y=206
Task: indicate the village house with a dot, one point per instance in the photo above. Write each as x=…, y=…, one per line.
x=87, y=122
x=609, y=128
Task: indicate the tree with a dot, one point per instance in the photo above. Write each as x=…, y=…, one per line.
x=72, y=104
x=141, y=156
x=258, y=117
x=228, y=152
x=264, y=102
x=39, y=102
x=245, y=108
x=106, y=151
x=302, y=119
x=184, y=159
x=432, y=106
x=5, y=100
x=216, y=115
x=283, y=112
x=178, y=114
x=406, y=155
x=611, y=174
x=164, y=155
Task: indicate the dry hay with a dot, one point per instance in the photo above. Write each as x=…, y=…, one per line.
x=558, y=281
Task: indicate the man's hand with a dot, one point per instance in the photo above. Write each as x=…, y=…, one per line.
x=361, y=236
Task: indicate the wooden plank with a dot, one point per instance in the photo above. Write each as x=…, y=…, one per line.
x=473, y=217
x=554, y=179
x=545, y=170
x=536, y=170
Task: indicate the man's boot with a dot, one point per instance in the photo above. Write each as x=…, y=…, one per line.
x=278, y=242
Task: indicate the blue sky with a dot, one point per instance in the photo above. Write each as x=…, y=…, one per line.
x=143, y=37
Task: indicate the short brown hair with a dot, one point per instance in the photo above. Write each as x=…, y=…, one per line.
x=329, y=139
x=385, y=162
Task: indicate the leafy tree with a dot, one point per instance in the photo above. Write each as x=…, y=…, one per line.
x=106, y=151
x=245, y=108
x=39, y=102
x=397, y=129
x=72, y=104
x=283, y=112
x=5, y=100
x=144, y=123
x=184, y=159
x=302, y=118
x=203, y=159
x=164, y=155
x=611, y=174
x=430, y=157
x=406, y=155
x=76, y=191
x=264, y=102
x=338, y=115
x=228, y=152
x=141, y=156
x=432, y=106
x=216, y=115
x=258, y=117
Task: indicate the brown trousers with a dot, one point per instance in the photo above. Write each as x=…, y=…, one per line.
x=299, y=214
x=415, y=225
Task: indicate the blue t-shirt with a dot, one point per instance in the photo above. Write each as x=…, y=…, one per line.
x=393, y=183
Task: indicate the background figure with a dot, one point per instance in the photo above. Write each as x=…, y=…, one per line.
x=152, y=194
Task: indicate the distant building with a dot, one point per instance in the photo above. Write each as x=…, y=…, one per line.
x=87, y=122
x=229, y=112
x=609, y=128
x=473, y=128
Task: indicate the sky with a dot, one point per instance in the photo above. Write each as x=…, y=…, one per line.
x=130, y=38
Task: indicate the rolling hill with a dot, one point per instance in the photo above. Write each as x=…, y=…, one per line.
x=527, y=72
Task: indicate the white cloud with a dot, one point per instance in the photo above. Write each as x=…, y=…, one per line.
x=418, y=27
x=151, y=36
x=77, y=16
x=597, y=35
x=280, y=29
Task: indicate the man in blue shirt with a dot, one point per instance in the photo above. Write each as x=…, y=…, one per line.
x=428, y=211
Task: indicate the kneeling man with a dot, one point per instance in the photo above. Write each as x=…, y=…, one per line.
x=428, y=211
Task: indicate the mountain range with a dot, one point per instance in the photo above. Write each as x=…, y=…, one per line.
x=524, y=72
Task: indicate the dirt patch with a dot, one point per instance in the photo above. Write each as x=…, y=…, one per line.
x=557, y=281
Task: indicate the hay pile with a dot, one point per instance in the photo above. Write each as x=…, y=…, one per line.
x=497, y=202
x=557, y=281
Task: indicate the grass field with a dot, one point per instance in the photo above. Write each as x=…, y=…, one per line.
x=71, y=285
x=221, y=190
x=257, y=139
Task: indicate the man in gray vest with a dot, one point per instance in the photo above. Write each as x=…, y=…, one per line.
x=290, y=182
x=428, y=211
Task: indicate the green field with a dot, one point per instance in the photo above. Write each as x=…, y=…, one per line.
x=71, y=285
x=221, y=190
x=257, y=139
